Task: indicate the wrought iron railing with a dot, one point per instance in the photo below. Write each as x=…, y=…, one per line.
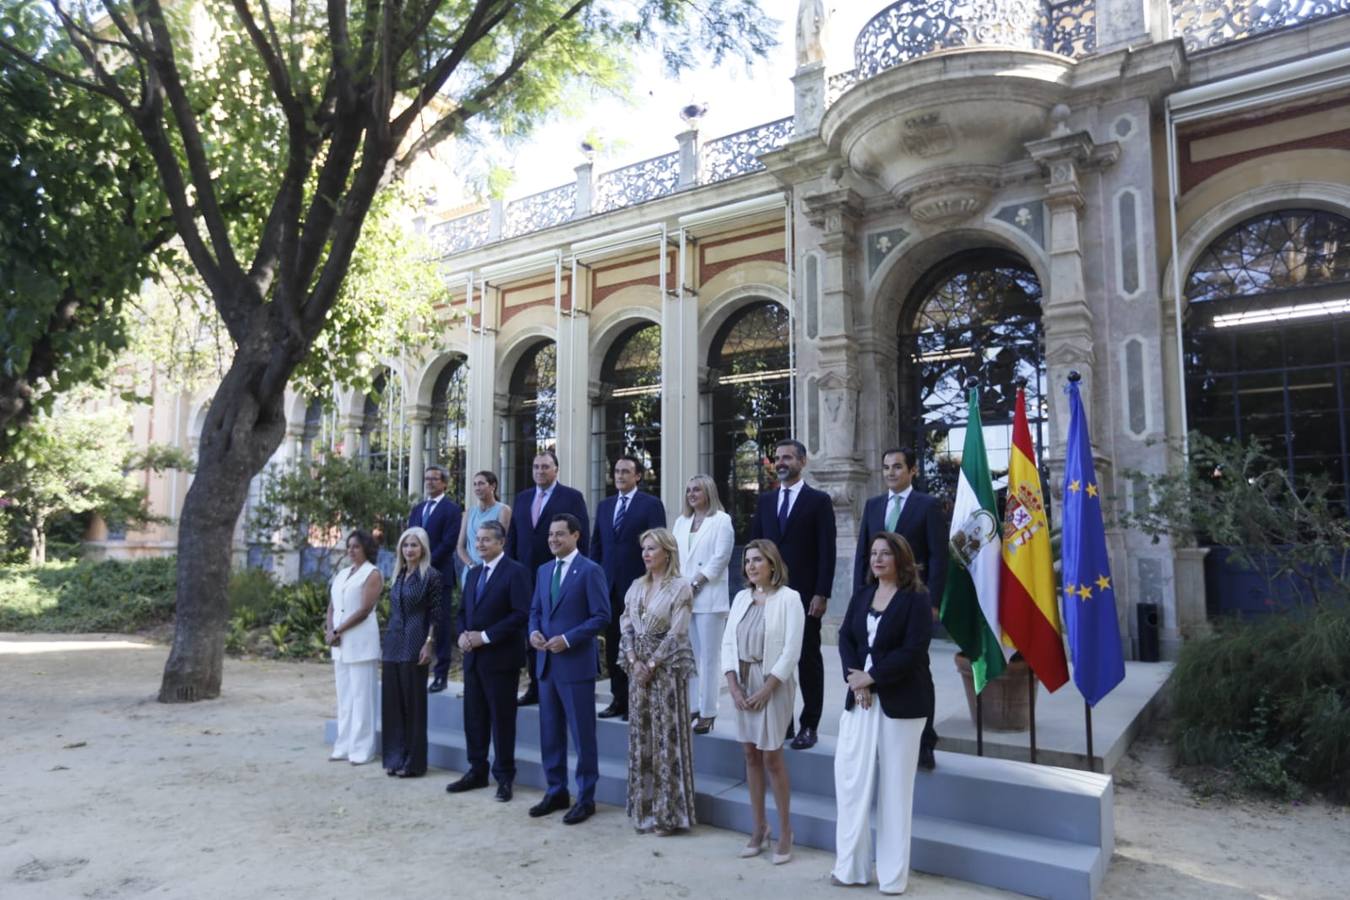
x=539, y=211
x=458, y=235
x=638, y=183
x=1202, y=24
x=738, y=154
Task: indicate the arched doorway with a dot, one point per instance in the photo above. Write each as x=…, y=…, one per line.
x=750, y=382
x=532, y=415
x=1267, y=340
x=447, y=433
x=975, y=313
x=628, y=417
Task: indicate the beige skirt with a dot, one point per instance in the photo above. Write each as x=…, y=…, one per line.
x=765, y=728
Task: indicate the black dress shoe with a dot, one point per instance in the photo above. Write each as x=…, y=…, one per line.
x=579, y=813
x=612, y=712
x=805, y=739
x=926, y=759
x=466, y=783
x=550, y=803
x=530, y=697
x=437, y=685
x=504, y=793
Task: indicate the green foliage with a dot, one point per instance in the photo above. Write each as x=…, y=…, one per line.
x=1235, y=495
x=317, y=505
x=1269, y=699
x=87, y=596
x=283, y=620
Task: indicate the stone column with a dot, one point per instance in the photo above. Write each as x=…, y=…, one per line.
x=418, y=416
x=1122, y=23
x=574, y=414
x=839, y=469
x=585, y=189
x=809, y=87
x=484, y=416
x=351, y=435
x=679, y=396
x=689, y=158
x=295, y=441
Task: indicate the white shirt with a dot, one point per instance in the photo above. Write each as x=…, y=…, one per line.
x=566, y=567
x=430, y=508
x=904, y=498
x=792, y=491
x=619, y=503
x=482, y=582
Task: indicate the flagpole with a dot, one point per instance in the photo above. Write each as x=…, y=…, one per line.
x=973, y=382
x=1031, y=694
x=1087, y=718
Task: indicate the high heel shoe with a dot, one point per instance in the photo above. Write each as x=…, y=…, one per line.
x=704, y=725
x=755, y=848
x=779, y=858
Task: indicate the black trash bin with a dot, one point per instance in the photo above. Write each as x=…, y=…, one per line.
x=1149, y=626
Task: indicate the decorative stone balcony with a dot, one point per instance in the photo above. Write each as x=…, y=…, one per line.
x=1202, y=24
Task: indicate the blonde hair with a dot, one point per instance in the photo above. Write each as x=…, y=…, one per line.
x=709, y=490
x=769, y=550
x=666, y=541
x=424, y=562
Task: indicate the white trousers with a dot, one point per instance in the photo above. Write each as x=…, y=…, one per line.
x=705, y=633
x=875, y=755
x=356, y=683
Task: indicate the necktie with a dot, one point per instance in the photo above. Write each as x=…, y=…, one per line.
x=427, y=510
x=555, y=587
x=618, y=516
x=538, y=506
x=783, y=511
x=893, y=516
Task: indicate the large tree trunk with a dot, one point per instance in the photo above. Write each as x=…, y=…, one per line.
x=244, y=426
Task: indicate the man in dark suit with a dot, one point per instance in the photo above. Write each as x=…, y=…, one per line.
x=619, y=521
x=569, y=610
x=527, y=542
x=800, y=520
x=440, y=516
x=919, y=519
x=492, y=621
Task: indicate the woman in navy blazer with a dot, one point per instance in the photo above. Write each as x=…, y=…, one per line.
x=883, y=645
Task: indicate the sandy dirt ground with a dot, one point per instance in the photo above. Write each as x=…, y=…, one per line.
x=105, y=793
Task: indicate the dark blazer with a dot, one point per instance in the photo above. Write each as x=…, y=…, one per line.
x=922, y=524
x=443, y=531
x=904, y=683
x=808, y=544
x=411, y=615
x=619, y=554
x=501, y=611
x=581, y=613
x=527, y=543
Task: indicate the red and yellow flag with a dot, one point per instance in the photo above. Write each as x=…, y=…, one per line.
x=1028, y=601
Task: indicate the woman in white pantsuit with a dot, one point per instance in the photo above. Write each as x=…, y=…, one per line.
x=351, y=630
x=705, y=535
x=883, y=645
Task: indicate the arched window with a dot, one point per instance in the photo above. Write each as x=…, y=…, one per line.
x=321, y=430
x=976, y=313
x=628, y=416
x=447, y=431
x=384, y=428
x=532, y=415
x=1267, y=337
x=750, y=381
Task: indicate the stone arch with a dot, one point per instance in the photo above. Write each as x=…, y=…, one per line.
x=728, y=303
x=611, y=328
x=425, y=376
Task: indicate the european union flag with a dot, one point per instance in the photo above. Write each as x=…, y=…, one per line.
x=1089, y=597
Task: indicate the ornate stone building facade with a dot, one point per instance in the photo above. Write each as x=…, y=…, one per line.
x=1155, y=195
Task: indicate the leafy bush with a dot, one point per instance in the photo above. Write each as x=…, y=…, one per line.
x=1269, y=699
x=88, y=596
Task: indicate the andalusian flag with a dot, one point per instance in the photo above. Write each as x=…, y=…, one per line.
x=1028, y=606
x=970, y=600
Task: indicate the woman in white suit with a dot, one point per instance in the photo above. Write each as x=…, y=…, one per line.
x=351, y=631
x=705, y=536
x=760, y=649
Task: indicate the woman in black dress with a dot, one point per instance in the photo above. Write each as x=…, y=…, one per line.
x=414, y=600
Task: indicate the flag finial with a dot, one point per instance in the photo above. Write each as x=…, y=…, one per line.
x=1074, y=375
x=972, y=381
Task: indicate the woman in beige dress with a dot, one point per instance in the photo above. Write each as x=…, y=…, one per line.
x=654, y=649
x=760, y=648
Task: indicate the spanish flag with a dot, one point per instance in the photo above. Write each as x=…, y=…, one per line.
x=1028, y=602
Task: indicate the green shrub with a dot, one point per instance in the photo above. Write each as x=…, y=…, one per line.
x=1269, y=699
x=87, y=596
x=253, y=593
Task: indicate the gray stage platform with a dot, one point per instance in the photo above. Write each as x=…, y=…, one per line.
x=1041, y=830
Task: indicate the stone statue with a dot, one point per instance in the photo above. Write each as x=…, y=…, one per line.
x=812, y=25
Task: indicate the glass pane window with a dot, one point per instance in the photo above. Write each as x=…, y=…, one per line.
x=532, y=415
x=628, y=418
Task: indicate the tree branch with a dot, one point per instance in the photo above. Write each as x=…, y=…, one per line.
x=271, y=57
x=117, y=96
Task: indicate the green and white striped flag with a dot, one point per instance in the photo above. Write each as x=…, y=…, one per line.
x=970, y=600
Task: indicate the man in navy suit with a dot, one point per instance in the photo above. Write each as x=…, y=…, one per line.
x=492, y=621
x=569, y=610
x=619, y=521
x=919, y=519
x=528, y=542
x=440, y=516
x=800, y=520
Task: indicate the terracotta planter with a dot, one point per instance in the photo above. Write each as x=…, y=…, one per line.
x=1007, y=702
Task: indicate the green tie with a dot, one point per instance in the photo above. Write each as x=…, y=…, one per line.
x=893, y=516
x=556, y=585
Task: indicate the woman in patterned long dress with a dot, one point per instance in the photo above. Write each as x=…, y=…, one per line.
x=654, y=648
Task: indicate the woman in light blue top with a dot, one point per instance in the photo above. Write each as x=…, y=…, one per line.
x=486, y=507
